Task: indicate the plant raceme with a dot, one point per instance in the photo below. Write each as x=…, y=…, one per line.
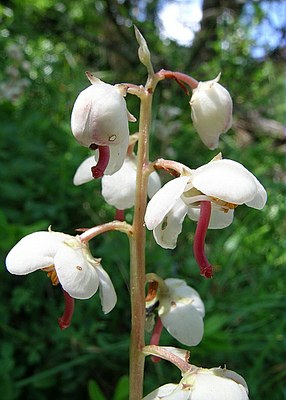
x=207, y=195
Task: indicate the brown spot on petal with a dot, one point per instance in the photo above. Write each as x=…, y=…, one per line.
x=173, y=304
x=79, y=267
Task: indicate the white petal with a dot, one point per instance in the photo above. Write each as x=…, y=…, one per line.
x=212, y=387
x=162, y=392
x=117, y=156
x=260, y=198
x=211, y=111
x=118, y=189
x=219, y=218
x=99, y=116
x=106, y=290
x=227, y=373
x=76, y=274
x=83, y=173
x=183, y=322
x=162, y=202
x=167, y=232
x=226, y=180
x=34, y=251
x=179, y=288
x=154, y=184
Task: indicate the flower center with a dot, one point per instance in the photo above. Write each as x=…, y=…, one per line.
x=51, y=273
x=226, y=206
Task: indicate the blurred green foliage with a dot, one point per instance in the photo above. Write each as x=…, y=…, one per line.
x=45, y=47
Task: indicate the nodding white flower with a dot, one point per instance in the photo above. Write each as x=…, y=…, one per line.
x=180, y=310
x=211, y=107
x=100, y=118
x=67, y=261
x=224, y=183
x=208, y=195
x=202, y=384
x=118, y=189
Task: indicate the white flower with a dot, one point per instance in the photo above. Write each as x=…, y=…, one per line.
x=100, y=117
x=118, y=189
x=204, y=384
x=211, y=106
x=224, y=183
x=76, y=270
x=181, y=311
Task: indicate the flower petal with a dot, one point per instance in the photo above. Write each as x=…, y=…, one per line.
x=167, y=232
x=212, y=387
x=183, y=322
x=154, y=184
x=220, y=218
x=179, y=288
x=76, y=274
x=118, y=189
x=117, y=156
x=260, y=198
x=162, y=202
x=34, y=251
x=106, y=290
x=163, y=392
x=99, y=116
x=211, y=106
x=83, y=173
x=226, y=180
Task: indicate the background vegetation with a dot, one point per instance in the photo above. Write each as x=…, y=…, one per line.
x=45, y=47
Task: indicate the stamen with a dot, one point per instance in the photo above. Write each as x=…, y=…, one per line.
x=152, y=291
x=65, y=320
x=155, y=339
x=103, y=160
x=206, y=268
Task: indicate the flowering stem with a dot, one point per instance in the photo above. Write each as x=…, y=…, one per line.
x=137, y=245
x=65, y=320
x=199, y=239
x=137, y=257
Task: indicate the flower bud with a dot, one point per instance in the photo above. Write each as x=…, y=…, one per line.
x=211, y=106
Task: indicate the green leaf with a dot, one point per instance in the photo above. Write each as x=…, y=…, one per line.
x=122, y=389
x=94, y=391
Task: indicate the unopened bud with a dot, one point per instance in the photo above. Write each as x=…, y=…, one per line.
x=143, y=51
x=211, y=106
